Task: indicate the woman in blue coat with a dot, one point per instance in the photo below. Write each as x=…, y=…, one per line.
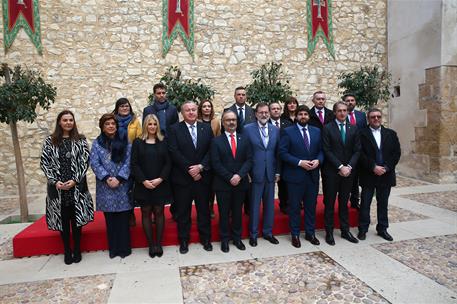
x=110, y=161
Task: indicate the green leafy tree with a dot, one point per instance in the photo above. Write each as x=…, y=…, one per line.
x=22, y=92
x=180, y=90
x=269, y=83
x=369, y=85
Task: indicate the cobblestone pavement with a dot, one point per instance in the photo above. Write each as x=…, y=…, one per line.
x=396, y=214
x=446, y=200
x=6, y=249
x=302, y=278
x=8, y=205
x=88, y=289
x=434, y=257
x=409, y=182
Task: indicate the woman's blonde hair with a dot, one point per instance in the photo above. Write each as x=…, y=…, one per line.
x=145, y=133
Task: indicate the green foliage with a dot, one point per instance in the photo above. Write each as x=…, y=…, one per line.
x=269, y=84
x=20, y=98
x=368, y=84
x=180, y=90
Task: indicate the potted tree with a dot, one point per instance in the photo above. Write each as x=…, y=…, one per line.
x=369, y=85
x=22, y=92
x=269, y=83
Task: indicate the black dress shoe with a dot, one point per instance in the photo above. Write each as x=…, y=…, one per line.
x=271, y=239
x=225, y=246
x=183, y=247
x=207, y=246
x=239, y=244
x=253, y=242
x=348, y=236
x=329, y=239
x=385, y=235
x=296, y=242
x=362, y=235
x=312, y=239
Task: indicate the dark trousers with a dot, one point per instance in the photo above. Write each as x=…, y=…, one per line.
x=382, y=198
x=230, y=213
x=118, y=231
x=282, y=194
x=69, y=220
x=306, y=193
x=183, y=196
x=355, y=194
x=335, y=185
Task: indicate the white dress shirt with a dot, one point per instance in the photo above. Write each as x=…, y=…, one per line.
x=230, y=139
x=377, y=136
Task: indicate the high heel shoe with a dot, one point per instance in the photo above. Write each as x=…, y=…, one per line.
x=159, y=251
x=68, y=258
x=77, y=256
x=152, y=252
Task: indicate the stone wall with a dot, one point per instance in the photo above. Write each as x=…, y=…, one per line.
x=97, y=51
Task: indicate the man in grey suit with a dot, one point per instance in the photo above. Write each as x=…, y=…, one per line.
x=264, y=139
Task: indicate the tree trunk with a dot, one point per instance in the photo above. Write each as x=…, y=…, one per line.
x=19, y=164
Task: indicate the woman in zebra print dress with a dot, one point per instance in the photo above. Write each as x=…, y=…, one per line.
x=64, y=161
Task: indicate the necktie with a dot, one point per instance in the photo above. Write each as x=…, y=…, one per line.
x=277, y=124
x=193, y=134
x=305, y=137
x=343, y=132
x=240, y=116
x=321, y=117
x=233, y=144
x=264, y=136
x=352, y=119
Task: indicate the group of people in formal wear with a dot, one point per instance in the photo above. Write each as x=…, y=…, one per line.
x=236, y=159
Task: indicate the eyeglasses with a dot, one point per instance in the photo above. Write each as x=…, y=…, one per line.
x=375, y=116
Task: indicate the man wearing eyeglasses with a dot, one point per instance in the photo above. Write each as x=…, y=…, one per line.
x=380, y=153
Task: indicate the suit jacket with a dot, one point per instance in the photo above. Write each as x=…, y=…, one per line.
x=265, y=160
x=283, y=123
x=391, y=152
x=249, y=116
x=336, y=152
x=314, y=119
x=360, y=119
x=224, y=165
x=292, y=150
x=184, y=154
x=171, y=114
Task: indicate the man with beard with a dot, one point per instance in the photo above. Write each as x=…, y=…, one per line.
x=319, y=115
x=231, y=160
x=359, y=119
x=281, y=124
x=189, y=143
x=341, y=145
x=162, y=108
x=264, y=139
x=300, y=149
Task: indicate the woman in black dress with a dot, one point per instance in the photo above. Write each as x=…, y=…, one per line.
x=151, y=165
x=290, y=109
x=64, y=161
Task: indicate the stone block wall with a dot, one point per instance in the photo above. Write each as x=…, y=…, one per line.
x=97, y=51
x=434, y=154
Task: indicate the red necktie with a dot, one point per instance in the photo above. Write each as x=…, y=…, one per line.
x=321, y=118
x=233, y=144
x=352, y=119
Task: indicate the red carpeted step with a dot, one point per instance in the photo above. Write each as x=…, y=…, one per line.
x=36, y=239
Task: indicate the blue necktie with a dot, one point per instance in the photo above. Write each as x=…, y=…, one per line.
x=305, y=137
x=240, y=116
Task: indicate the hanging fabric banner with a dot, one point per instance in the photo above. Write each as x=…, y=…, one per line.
x=19, y=14
x=178, y=18
x=319, y=21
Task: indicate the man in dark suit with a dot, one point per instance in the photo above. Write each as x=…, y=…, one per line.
x=244, y=112
x=162, y=108
x=264, y=139
x=231, y=160
x=189, y=144
x=341, y=146
x=379, y=155
x=281, y=124
x=300, y=149
x=319, y=115
x=358, y=119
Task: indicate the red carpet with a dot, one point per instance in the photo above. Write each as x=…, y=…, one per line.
x=36, y=239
